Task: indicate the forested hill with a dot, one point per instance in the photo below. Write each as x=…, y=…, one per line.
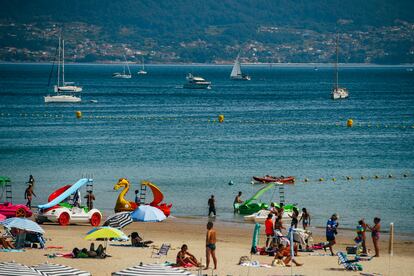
x=220, y=27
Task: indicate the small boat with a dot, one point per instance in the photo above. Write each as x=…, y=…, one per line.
x=236, y=73
x=270, y=179
x=65, y=91
x=142, y=71
x=338, y=92
x=124, y=74
x=194, y=82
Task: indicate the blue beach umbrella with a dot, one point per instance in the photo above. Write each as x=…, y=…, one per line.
x=147, y=213
x=23, y=224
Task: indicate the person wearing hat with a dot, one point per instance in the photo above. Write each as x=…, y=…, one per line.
x=331, y=231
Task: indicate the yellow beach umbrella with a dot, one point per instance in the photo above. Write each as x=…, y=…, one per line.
x=105, y=233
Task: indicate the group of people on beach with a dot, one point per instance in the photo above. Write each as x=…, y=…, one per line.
x=360, y=240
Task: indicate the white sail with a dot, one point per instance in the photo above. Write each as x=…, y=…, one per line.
x=236, y=71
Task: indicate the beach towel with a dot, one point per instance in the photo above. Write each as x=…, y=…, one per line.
x=11, y=250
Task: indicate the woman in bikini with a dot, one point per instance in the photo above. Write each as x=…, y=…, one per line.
x=375, y=234
x=305, y=218
x=185, y=258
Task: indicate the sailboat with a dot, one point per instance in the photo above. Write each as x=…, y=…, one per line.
x=66, y=92
x=142, y=71
x=236, y=73
x=338, y=92
x=124, y=74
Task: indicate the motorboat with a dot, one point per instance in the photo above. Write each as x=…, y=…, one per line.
x=270, y=179
x=62, y=99
x=194, y=82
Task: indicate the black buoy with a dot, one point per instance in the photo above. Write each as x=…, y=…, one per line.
x=231, y=183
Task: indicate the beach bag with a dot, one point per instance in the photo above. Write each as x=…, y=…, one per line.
x=351, y=250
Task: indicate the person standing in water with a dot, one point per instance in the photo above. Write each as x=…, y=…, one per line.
x=237, y=202
x=90, y=197
x=28, y=194
x=211, y=240
x=211, y=206
x=305, y=218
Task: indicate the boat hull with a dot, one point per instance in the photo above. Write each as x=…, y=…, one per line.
x=62, y=99
x=269, y=179
x=197, y=86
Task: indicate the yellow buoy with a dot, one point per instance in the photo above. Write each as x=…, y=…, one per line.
x=320, y=179
x=334, y=179
x=221, y=118
x=349, y=123
x=78, y=114
x=362, y=177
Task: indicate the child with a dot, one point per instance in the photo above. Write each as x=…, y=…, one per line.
x=294, y=217
x=360, y=238
x=283, y=254
x=269, y=229
x=305, y=218
x=375, y=234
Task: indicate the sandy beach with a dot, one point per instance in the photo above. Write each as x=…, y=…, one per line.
x=234, y=241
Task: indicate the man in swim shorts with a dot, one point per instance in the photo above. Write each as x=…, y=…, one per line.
x=211, y=245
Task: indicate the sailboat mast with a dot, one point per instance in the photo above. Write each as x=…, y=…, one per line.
x=336, y=63
x=58, y=72
x=63, y=62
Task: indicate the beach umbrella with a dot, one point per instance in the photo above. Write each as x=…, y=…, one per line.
x=119, y=220
x=16, y=269
x=105, y=233
x=23, y=224
x=47, y=269
x=151, y=269
x=2, y=217
x=147, y=213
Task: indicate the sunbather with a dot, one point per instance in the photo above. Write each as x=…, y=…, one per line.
x=137, y=241
x=185, y=258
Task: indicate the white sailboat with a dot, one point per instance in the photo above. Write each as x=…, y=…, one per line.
x=236, y=73
x=124, y=74
x=142, y=71
x=66, y=92
x=338, y=92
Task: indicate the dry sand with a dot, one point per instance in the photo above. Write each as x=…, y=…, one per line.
x=234, y=241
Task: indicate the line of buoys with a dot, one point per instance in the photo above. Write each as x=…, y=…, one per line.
x=349, y=178
x=220, y=118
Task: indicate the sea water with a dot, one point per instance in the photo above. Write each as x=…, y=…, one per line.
x=282, y=122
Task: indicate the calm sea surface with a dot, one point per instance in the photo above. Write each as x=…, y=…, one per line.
x=283, y=122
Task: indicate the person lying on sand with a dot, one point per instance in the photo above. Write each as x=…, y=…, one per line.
x=185, y=258
x=5, y=243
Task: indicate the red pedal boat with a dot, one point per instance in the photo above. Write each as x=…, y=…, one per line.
x=269, y=179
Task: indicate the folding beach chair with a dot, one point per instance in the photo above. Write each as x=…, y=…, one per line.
x=348, y=264
x=162, y=251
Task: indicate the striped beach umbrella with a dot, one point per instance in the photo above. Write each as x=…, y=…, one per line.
x=119, y=220
x=151, y=269
x=16, y=269
x=58, y=270
x=23, y=224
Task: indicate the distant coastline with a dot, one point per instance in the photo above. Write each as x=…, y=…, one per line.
x=318, y=65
